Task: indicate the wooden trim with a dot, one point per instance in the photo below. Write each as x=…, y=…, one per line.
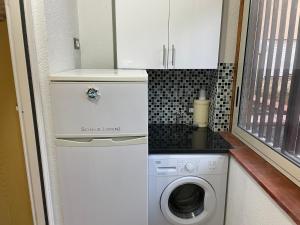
x=236, y=60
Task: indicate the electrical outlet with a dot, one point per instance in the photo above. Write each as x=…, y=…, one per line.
x=190, y=109
x=76, y=43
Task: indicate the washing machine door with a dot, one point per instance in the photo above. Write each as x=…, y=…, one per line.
x=188, y=201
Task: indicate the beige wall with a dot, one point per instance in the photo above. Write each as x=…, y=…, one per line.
x=248, y=203
x=15, y=206
x=96, y=34
x=229, y=30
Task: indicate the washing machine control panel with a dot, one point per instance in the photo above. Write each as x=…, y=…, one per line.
x=190, y=166
x=194, y=167
x=187, y=167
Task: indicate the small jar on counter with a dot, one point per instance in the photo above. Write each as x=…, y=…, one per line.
x=201, y=107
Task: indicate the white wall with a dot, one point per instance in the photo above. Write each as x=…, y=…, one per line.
x=62, y=27
x=96, y=34
x=248, y=203
x=54, y=25
x=91, y=21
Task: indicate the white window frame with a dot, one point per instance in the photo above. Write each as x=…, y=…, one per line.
x=285, y=166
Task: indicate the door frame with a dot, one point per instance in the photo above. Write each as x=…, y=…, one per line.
x=26, y=110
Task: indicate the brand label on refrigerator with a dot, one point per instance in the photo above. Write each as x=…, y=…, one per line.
x=100, y=129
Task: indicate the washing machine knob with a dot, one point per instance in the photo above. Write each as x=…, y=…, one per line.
x=189, y=167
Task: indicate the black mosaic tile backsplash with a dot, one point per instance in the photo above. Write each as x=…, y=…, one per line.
x=221, y=98
x=171, y=92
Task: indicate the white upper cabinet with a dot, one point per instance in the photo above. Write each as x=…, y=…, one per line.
x=194, y=34
x=142, y=33
x=168, y=34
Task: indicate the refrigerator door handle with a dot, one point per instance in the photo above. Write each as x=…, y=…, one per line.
x=101, y=142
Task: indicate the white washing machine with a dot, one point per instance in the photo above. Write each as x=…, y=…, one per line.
x=187, y=189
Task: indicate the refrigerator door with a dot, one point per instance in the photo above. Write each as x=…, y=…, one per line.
x=99, y=109
x=103, y=181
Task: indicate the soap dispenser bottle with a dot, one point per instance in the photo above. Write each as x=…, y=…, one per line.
x=201, y=106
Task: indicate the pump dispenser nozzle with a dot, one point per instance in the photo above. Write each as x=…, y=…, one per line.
x=202, y=94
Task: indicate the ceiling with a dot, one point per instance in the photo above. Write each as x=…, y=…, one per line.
x=2, y=10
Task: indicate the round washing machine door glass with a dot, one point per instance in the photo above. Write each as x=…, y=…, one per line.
x=188, y=201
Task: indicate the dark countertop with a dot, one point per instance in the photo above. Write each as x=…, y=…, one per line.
x=184, y=139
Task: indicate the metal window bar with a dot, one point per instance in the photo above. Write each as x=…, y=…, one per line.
x=253, y=73
x=285, y=76
x=292, y=130
x=279, y=50
x=269, y=70
x=253, y=20
x=261, y=66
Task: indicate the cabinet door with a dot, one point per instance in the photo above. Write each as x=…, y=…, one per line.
x=142, y=33
x=194, y=33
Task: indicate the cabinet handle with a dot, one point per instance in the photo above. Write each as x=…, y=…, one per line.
x=164, y=56
x=173, y=55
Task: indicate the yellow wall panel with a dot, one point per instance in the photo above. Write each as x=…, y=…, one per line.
x=15, y=206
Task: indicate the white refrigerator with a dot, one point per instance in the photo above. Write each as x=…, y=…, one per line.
x=101, y=125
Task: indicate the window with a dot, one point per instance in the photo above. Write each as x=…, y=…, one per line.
x=269, y=108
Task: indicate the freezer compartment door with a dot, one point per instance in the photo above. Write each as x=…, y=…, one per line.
x=100, y=109
x=103, y=185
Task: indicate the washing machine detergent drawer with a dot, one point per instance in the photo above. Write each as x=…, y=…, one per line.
x=95, y=109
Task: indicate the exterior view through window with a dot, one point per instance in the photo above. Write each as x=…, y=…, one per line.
x=270, y=95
